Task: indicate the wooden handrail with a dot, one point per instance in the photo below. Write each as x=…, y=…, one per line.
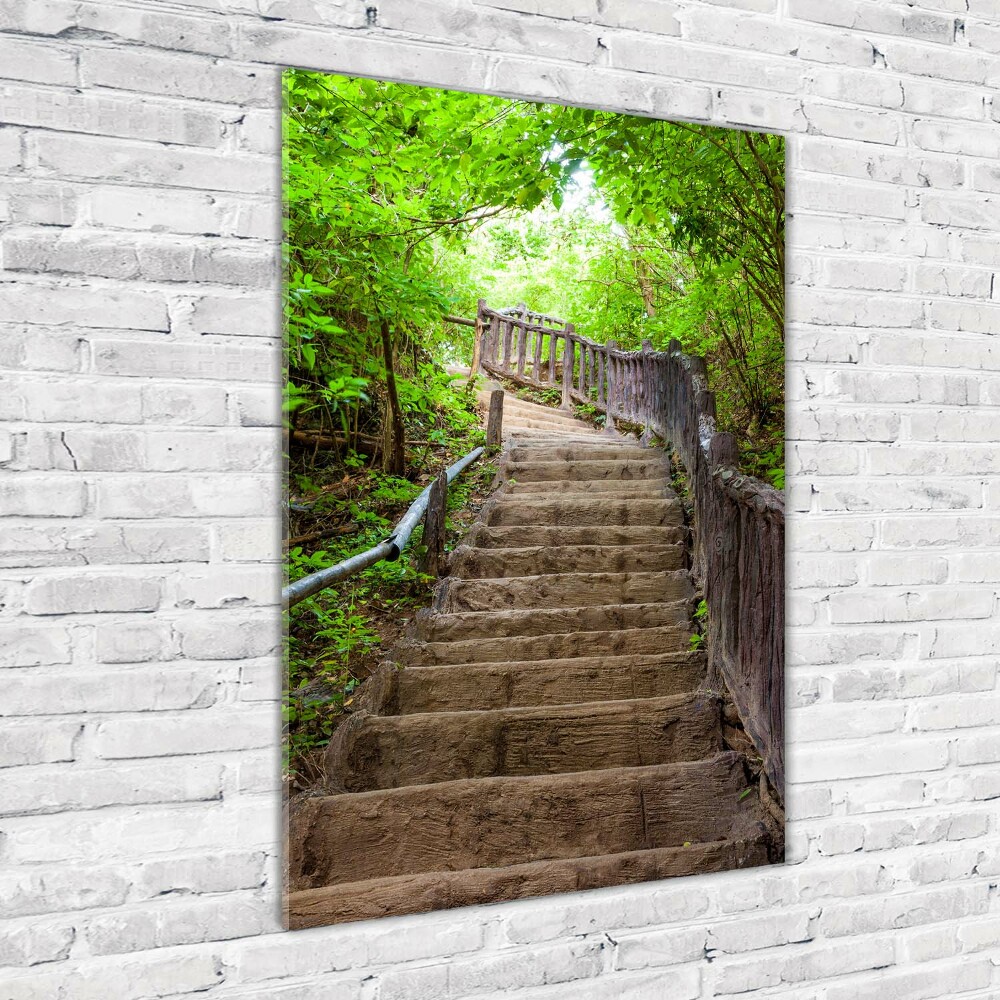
x=739, y=520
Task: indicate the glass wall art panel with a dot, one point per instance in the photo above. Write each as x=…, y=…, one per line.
x=534, y=545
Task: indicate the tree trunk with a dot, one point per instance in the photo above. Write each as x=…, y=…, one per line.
x=393, y=455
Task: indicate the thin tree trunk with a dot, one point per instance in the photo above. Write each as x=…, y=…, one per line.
x=393, y=456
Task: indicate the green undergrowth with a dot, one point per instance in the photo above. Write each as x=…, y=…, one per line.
x=335, y=638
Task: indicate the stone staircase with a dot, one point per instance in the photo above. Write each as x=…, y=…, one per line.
x=550, y=730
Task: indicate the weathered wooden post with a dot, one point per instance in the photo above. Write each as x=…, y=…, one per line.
x=434, y=526
x=646, y=392
x=522, y=346
x=477, y=343
x=609, y=370
x=567, y=380
x=494, y=422
x=723, y=451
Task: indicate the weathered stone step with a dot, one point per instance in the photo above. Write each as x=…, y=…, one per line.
x=542, y=416
x=652, y=468
x=440, y=890
x=610, y=488
x=371, y=751
x=564, y=590
x=584, y=511
x=542, y=682
x=616, y=642
x=536, y=560
x=526, y=622
x=516, y=426
x=493, y=822
x=514, y=409
x=593, y=437
x=539, y=682
x=501, y=536
x=532, y=454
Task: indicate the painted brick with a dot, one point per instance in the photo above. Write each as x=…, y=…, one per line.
x=183, y=360
x=23, y=743
x=34, y=62
x=85, y=305
x=34, y=348
x=830, y=959
x=35, y=943
x=134, y=642
x=248, y=541
x=99, y=158
x=106, y=114
x=243, y=316
x=196, y=405
x=207, y=639
x=82, y=594
x=171, y=74
x=43, y=497
x=49, y=17
x=79, y=788
x=64, y=693
x=159, y=29
x=190, y=496
x=179, y=211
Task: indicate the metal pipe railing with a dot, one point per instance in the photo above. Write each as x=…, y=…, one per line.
x=389, y=549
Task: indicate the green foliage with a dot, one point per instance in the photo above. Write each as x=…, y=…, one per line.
x=697, y=639
x=405, y=204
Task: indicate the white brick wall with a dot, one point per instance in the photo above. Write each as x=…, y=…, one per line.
x=139, y=815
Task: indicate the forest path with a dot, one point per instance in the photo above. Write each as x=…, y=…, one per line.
x=551, y=730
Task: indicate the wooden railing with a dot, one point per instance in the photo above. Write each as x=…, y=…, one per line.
x=739, y=522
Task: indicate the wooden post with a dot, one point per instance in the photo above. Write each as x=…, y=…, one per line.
x=646, y=396
x=477, y=343
x=536, y=358
x=495, y=340
x=553, y=347
x=434, y=526
x=508, y=330
x=522, y=347
x=609, y=370
x=567, y=380
x=723, y=451
x=494, y=422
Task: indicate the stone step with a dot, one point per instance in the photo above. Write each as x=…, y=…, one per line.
x=533, y=454
x=651, y=468
x=539, y=439
x=516, y=536
x=540, y=682
x=526, y=622
x=535, y=560
x=565, y=590
x=370, y=751
x=494, y=822
x=563, y=645
x=525, y=407
x=440, y=890
x=629, y=489
x=518, y=424
x=589, y=510
x=543, y=414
